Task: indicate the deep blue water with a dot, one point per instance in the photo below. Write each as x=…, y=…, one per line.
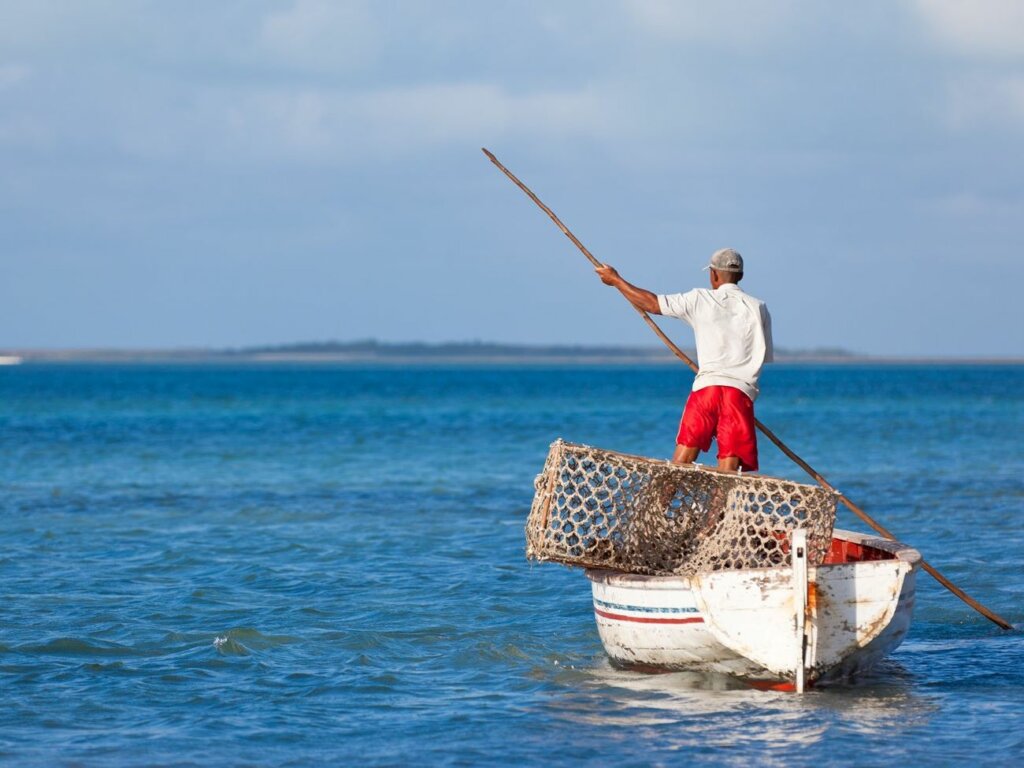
x=324, y=565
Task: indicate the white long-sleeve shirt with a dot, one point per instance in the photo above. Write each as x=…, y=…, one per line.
x=733, y=332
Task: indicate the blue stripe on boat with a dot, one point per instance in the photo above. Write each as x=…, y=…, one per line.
x=643, y=608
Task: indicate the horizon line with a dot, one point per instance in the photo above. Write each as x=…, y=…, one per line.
x=374, y=350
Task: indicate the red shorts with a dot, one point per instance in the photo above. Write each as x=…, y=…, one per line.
x=725, y=413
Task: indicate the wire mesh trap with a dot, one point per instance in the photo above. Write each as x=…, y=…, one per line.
x=603, y=509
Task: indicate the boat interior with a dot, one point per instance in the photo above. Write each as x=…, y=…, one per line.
x=843, y=551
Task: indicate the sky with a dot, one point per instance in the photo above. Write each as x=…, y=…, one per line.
x=225, y=174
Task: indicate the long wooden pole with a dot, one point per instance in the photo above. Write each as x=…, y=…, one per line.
x=988, y=614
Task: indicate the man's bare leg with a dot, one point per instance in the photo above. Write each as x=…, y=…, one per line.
x=685, y=454
x=729, y=463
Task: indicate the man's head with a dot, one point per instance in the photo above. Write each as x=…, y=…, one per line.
x=726, y=266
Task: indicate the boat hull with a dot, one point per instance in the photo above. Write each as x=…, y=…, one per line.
x=742, y=623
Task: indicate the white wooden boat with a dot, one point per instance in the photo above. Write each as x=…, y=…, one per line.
x=779, y=627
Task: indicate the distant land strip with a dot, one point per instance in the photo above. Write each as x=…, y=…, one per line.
x=411, y=353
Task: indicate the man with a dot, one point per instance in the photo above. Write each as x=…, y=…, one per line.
x=733, y=332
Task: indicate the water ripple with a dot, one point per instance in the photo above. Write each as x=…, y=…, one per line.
x=324, y=565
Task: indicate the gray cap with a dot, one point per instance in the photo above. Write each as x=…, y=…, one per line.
x=726, y=260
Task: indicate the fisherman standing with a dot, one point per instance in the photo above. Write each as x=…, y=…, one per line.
x=733, y=333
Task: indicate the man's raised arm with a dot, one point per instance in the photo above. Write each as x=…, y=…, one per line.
x=638, y=297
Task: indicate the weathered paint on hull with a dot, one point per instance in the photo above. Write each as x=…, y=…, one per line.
x=654, y=621
x=742, y=622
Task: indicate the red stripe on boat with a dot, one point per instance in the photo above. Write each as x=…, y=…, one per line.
x=645, y=620
x=772, y=685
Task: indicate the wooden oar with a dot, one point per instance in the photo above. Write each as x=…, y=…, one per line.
x=992, y=616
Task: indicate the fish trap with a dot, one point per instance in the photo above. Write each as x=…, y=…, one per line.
x=603, y=509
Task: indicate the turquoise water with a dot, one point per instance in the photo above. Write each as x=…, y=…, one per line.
x=324, y=565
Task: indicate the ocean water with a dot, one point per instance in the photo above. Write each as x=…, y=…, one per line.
x=275, y=565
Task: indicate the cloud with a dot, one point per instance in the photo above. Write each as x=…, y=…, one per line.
x=984, y=93
x=20, y=127
x=13, y=75
x=338, y=125
x=983, y=28
x=318, y=34
x=725, y=24
x=342, y=125
x=989, y=103
x=974, y=206
x=466, y=111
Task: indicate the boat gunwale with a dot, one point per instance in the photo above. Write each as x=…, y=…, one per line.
x=898, y=551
